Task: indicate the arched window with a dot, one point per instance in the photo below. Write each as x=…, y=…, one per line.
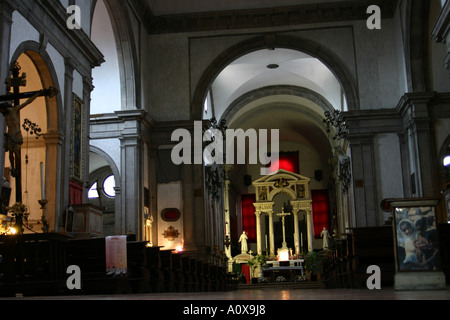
x=109, y=185
x=447, y=161
x=93, y=193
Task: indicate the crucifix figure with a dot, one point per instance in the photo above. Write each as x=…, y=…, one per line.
x=13, y=138
x=283, y=216
x=11, y=112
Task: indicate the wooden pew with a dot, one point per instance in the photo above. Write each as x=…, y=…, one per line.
x=90, y=256
x=177, y=268
x=197, y=286
x=154, y=269
x=444, y=249
x=32, y=264
x=168, y=271
x=373, y=246
x=138, y=273
x=202, y=274
x=189, y=274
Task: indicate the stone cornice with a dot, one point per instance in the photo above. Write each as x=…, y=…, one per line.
x=70, y=43
x=442, y=26
x=260, y=18
x=412, y=107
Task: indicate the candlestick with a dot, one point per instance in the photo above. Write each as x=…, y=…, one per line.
x=42, y=181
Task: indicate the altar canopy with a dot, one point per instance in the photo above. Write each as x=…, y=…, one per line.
x=294, y=185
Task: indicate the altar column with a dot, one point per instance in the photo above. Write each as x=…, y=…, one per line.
x=258, y=232
x=296, y=233
x=271, y=234
x=309, y=229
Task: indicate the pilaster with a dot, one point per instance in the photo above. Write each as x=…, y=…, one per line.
x=364, y=180
x=6, y=12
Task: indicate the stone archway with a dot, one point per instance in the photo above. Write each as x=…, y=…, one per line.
x=297, y=187
x=327, y=57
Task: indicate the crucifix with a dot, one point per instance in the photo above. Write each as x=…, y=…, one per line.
x=283, y=215
x=11, y=112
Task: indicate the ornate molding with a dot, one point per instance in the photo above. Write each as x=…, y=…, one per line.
x=266, y=17
x=264, y=206
x=301, y=205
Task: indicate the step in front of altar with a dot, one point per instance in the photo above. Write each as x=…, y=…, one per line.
x=283, y=285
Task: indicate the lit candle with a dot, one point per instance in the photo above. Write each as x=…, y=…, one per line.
x=42, y=182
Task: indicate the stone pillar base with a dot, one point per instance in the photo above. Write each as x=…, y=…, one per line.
x=409, y=281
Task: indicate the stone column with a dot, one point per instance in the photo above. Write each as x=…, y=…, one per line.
x=88, y=87
x=296, y=233
x=418, y=122
x=271, y=234
x=65, y=159
x=309, y=229
x=130, y=217
x=52, y=143
x=6, y=12
x=258, y=232
x=226, y=203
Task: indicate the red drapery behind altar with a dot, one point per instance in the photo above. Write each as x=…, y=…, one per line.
x=245, y=269
x=248, y=216
x=75, y=193
x=288, y=162
x=320, y=211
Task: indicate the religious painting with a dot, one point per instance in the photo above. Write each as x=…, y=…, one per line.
x=416, y=239
x=76, y=143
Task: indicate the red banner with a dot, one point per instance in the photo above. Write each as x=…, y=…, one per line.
x=248, y=216
x=75, y=193
x=320, y=211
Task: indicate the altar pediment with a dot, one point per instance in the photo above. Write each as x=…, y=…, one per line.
x=281, y=173
x=297, y=186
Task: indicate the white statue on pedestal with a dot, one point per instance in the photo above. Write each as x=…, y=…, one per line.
x=326, y=238
x=243, y=240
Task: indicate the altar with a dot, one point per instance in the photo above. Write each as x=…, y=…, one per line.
x=297, y=189
x=284, y=271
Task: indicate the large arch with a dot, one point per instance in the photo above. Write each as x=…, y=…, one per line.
x=245, y=99
x=331, y=60
x=127, y=54
x=54, y=126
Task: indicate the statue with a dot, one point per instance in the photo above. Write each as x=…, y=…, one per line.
x=326, y=238
x=243, y=240
x=13, y=138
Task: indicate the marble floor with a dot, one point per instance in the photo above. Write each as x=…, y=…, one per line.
x=386, y=294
